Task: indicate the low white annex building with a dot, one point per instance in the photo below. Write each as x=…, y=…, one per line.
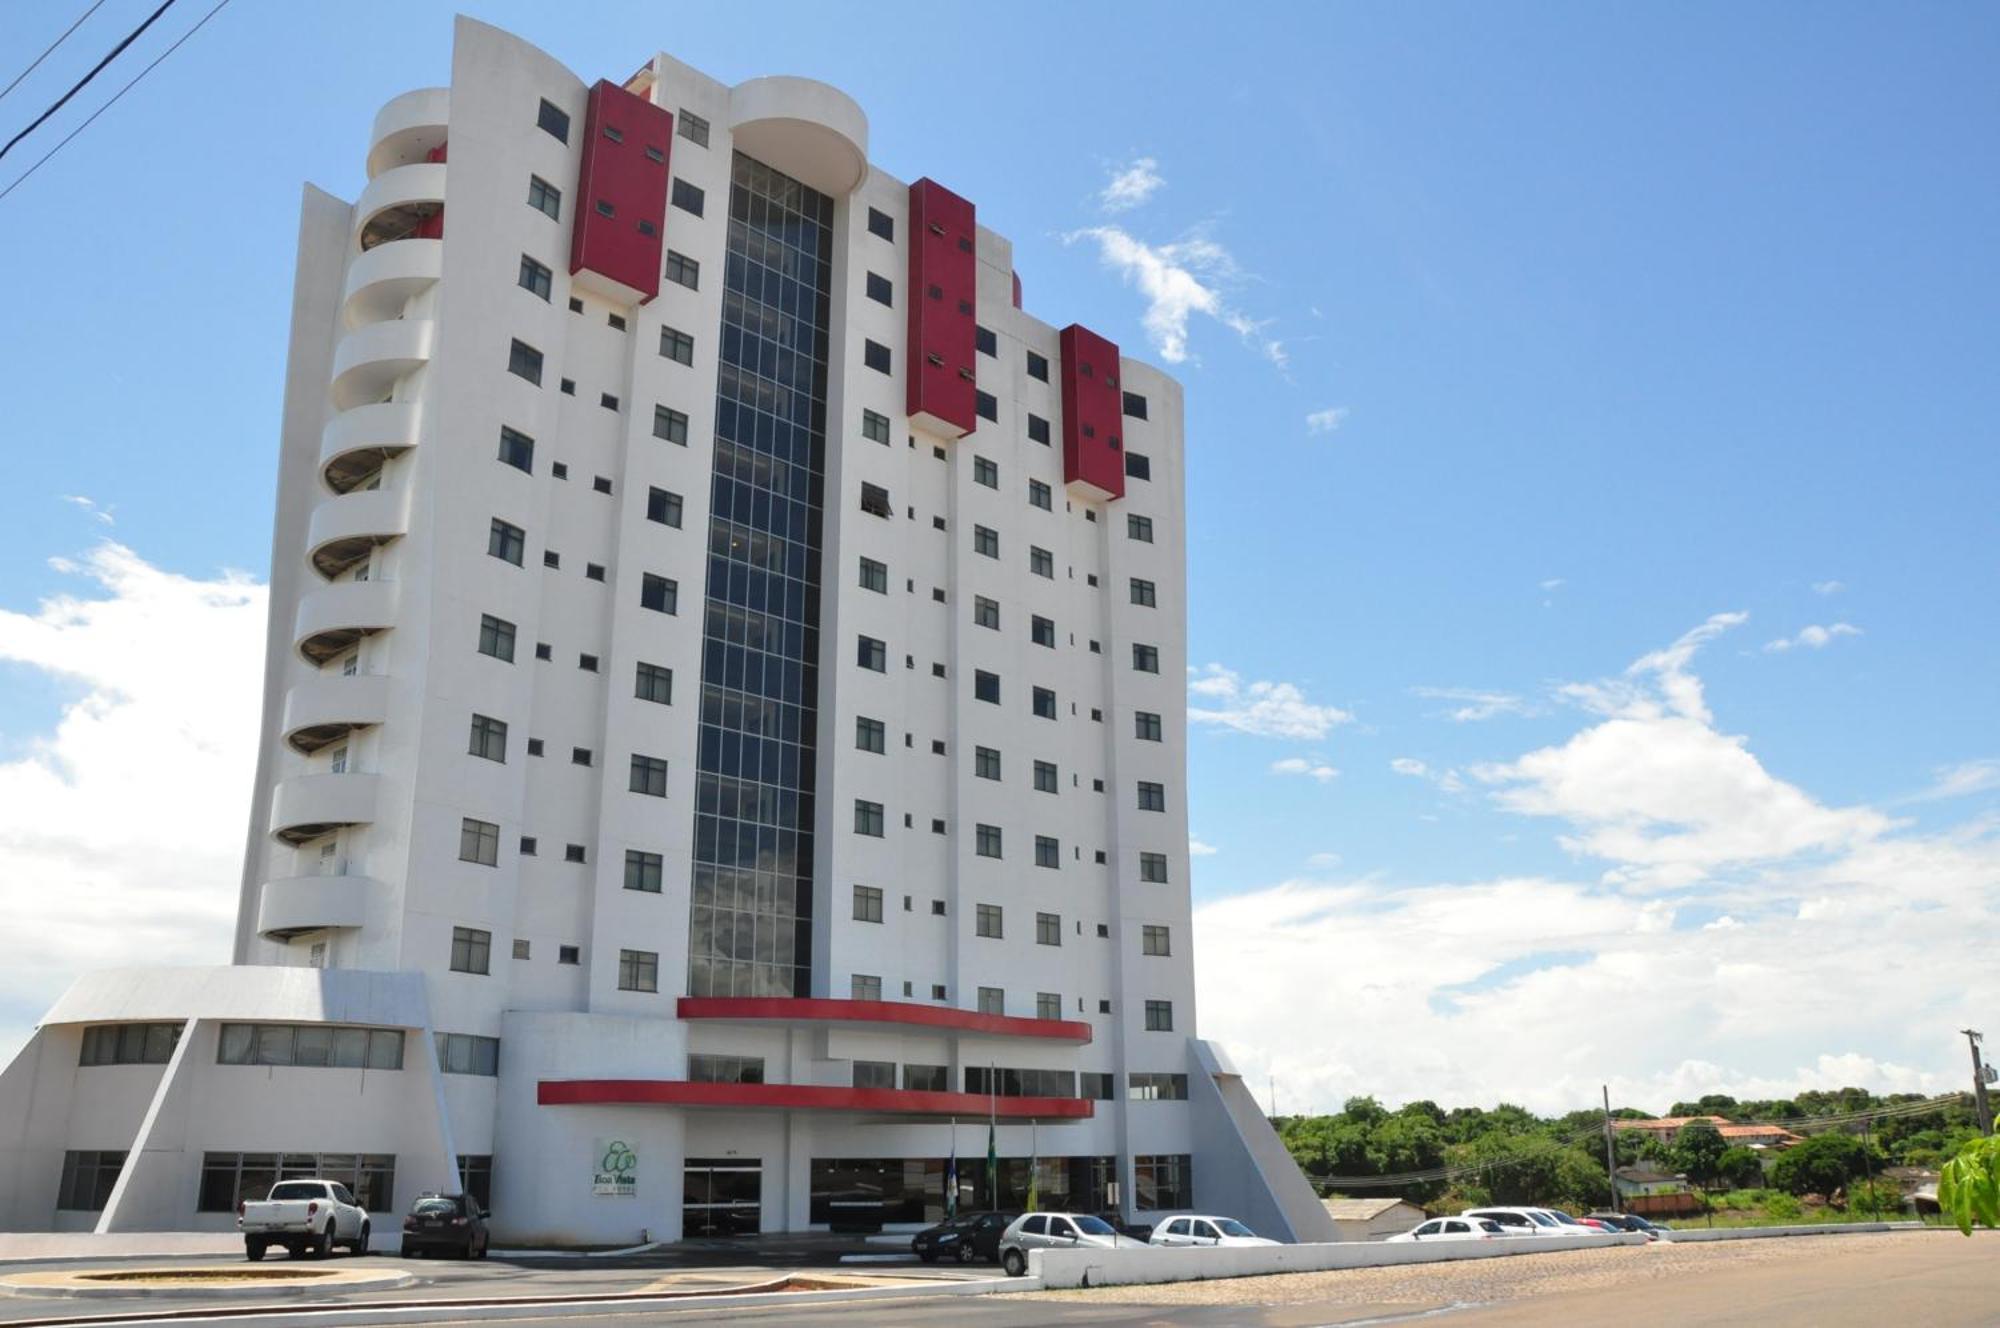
x=723, y=727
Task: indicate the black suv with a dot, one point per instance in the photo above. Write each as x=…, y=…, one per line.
x=967, y=1237
x=446, y=1224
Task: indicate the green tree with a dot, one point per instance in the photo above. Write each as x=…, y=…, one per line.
x=1823, y=1164
x=1739, y=1169
x=1698, y=1147
x=1969, y=1185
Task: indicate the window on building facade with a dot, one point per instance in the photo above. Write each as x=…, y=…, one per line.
x=1048, y=851
x=535, y=277
x=1040, y=495
x=992, y=1000
x=867, y=903
x=881, y=224
x=985, y=406
x=654, y=683
x=670, y=424
x=1038, y=430
x=985, y=612
x=659, y=594
x=524, y=361
x=874, y=427
x=1153, y=868
x=986, y=841
x=694, y=129
x=1138, y=467
x=489, y=738
x=1155, y=940
x=711, y=1068
x=1046, y=779
x=496, y=638
x=1135, y=405
x=1159, y=1016
x=985, y=471
x=1163, y=1182
x=986, y=541
x=683, y=271
x=1146, y=659
x=872, y=654
x=468, y=1053
x=1038, y=366
x=649, y=776
x=506, y=542
x=1146, y=726
x=1042, y=563
x=1152, y=796
x=865, y=986
x=986, y=686
x=987, y=921
x=643, y=871
x=870, y=735
x=544, y=197
x=471, y=950
x=1042, y=631
x=1144, y=593
x=1048, y=929
x=874, y=576
x=868, y=818
x=1044, y=703
x=688, y=198
x=880, y=289
x=676, y=345
x=875, y=500
x=638, y=970
x=985, y=763
x=129, y=1044
x=664, y=507
x=1139, y=528
x=479, y=841
x=553, y=120
x=1156, y=1087
x=875, y=355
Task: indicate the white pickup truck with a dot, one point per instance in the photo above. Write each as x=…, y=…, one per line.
x=304, y=1216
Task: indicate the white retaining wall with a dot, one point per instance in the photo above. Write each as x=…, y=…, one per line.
x=1061, y=1269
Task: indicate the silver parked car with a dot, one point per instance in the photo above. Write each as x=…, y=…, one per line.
x=1055, y=1231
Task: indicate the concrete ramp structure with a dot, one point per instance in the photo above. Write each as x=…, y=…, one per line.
x=1246, y=1170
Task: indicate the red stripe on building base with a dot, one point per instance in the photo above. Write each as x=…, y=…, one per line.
x=803, y=1097
x=804, y=1009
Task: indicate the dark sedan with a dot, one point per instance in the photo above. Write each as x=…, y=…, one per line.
x=451, y=1224
x=965, y=1238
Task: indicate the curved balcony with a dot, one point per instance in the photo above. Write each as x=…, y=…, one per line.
x=357, y=441
x=346, y=529
x=397, y=203
x=332, y=618
x=381, y=281
x=811, y=131
x=369, y=360
x=326, y=709
x=408, y=128
x=297, y=904
x=307, y=806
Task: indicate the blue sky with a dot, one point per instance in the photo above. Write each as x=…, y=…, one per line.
x=1626, y=317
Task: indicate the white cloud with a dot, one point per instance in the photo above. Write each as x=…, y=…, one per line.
x=138, y=798
x=1132, y=185
x=1472, y=705
x=1813, y=637
x=91, y=506
x=1264, y=709
x=1828, y=587
x=1326, y=421
x=1655, y=790
x=1448, y=781
x=1178, y=281
x=1197, y=849
x=1323, y=861
x=1312, y=769
x=1553, y=583
x=1963, y=779
x=1409, y=765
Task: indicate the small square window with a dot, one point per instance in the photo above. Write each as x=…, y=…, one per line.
x=676, y=345
x=659, y=594
x=1043, y=632
x=1135, y=405
x=569, y=954
x=1047, y=779
x=683, y=271
x=985, y=341
x=986, y=686
x=544, y=197
x=1038, y=430
x=1139, y=528
x=516, y=449
x=588, y=663
x=986, y=541
x=868, y=818
x=985, y=763
x=1146, y=659
x=664, y=507
x=875, y=355
x=870, y=653
x=524, y=361
x=881, y=290
x=534, y=746
x=654, y=683
x=579, y=756
x=985, y=612
x=616, y=322
x=550, y=558
x=601, y=483
x=882, y=224
x=986, y=841
x=1152, y=796
x=874, y=576
x=1040, y=495
x=1044, y=703
x=1048, y=851
x=574, y=853
x=1146, y=726
x=875, y=428
x=1138, y=467
x=985, y=405
x=985, y=471
x=1042, y=563
x=541, y=650
x=867, y=903
x=692, y=128
x=1038, y=366
x=687, y=197
x=535, y=277
x=670, y=424
x=989, y=921
x=870, y=735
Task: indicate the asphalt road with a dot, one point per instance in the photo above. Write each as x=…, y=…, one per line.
x=1941, y=1280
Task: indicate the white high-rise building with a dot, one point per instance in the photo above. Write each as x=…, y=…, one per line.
x=723, y=728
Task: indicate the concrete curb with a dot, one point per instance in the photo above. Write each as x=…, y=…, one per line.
x=1062, y=1269
x=74, y=1286
x=542, y=1307
x=1679, y=1235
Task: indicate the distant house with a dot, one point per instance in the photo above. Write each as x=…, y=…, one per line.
x=1667, y=1129
x=1653, y=1193
x=1371, y=1219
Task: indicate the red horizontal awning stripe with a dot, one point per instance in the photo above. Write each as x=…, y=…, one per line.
x=803, y=1097
x=805, y=1009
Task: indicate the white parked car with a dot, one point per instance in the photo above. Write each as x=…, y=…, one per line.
x=1522, y=1221
x=1455, y=1228
x=1056, y=1231
x=304, y=1216
x=1188, y=1231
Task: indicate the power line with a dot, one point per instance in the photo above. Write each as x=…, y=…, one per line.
x=220, y=4
x=81, y=83
x=51, y=49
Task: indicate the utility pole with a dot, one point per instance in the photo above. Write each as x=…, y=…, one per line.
x=1980, y=1105
x=1610, y=1154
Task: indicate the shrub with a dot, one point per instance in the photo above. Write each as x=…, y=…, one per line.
x=1784, y=1208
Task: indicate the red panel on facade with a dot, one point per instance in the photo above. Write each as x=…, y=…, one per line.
x=432, y=227
x=1093, y=413
x=621, y=193
x=944, y=334
x=803, y=1097
x=800, y=1009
